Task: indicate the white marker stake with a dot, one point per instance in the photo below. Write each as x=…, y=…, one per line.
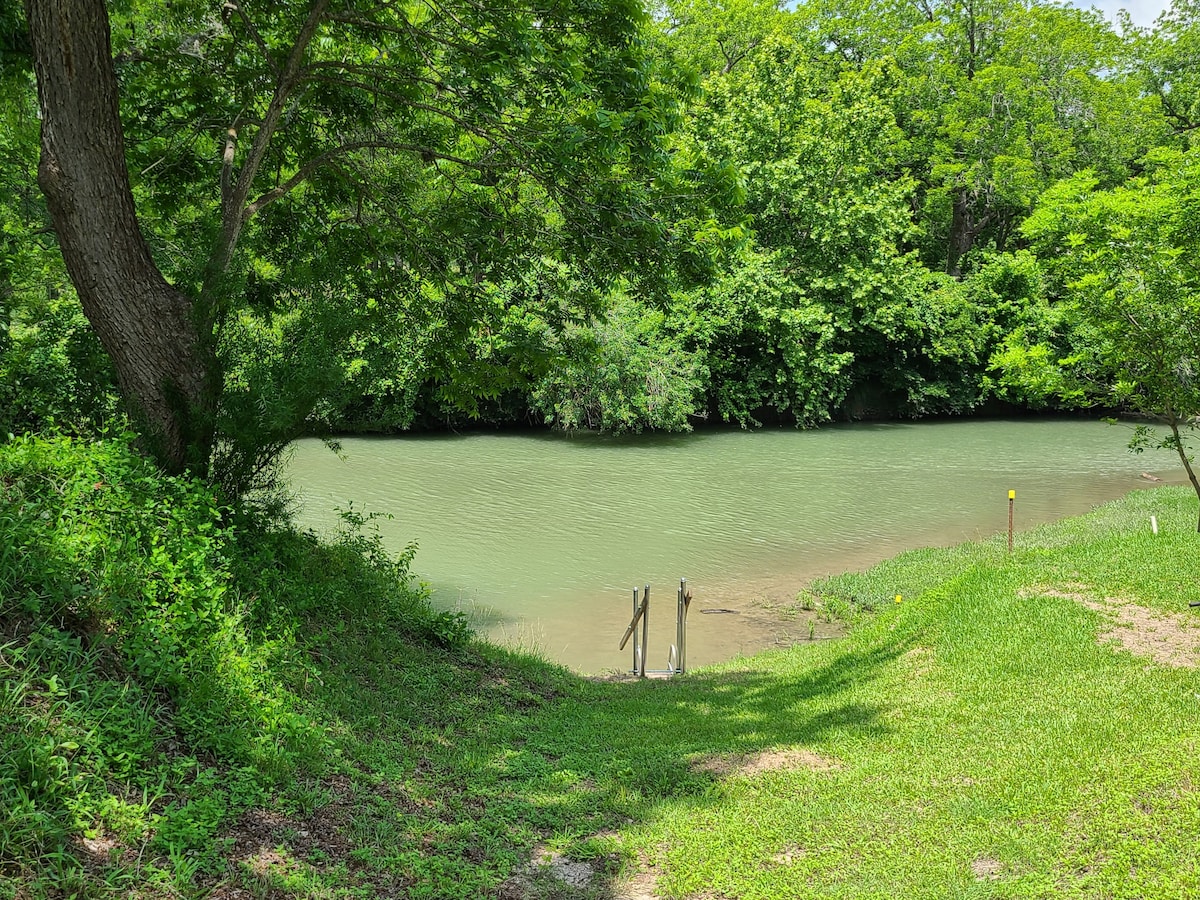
x=1154, y=524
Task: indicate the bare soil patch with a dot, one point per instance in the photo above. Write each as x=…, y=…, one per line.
x=1167, y=638
x=639, y=887
x=551, y=876
x=986, y=868
x=789, y=855
x=726, y=765
x=567, y=871
x=266, y=847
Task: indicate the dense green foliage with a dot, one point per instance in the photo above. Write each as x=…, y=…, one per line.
x=736, y=212
x=1126, y=330
x=138, y=617
x=53, y=372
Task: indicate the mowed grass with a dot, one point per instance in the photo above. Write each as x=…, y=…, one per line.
x=981, y=742
x=974, y=740
x=978, y=739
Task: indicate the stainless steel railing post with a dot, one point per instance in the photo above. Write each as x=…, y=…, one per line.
x=645, y=627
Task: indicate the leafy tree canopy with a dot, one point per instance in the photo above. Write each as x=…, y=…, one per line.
x=1125, y=263
x=302, y=160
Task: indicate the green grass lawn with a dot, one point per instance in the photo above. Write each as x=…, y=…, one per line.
x=979, y=739
x=975, y=740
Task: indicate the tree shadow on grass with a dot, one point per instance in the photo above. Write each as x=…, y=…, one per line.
x=458, y=764
x=454, y=765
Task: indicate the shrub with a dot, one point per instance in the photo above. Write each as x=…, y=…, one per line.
x=54, y=375
x=623, y=373
x=153, y=650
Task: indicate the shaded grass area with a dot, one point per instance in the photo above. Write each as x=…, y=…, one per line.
x=975, y=740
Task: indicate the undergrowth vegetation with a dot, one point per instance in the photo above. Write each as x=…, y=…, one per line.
x=154, y=646
x=199, y=702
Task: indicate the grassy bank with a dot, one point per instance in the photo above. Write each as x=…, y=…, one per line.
x=1018, y=726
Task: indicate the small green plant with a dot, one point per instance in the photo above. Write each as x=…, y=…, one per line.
x=382, y=587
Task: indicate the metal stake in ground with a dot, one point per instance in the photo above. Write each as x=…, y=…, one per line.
x=673, y=662
x=638, y=613
x=645, y=627
x=687, y=602
x=635, y=634
x=681, y=626
x=1012, y=499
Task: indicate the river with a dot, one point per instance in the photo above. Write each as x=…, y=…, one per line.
x=541, y=537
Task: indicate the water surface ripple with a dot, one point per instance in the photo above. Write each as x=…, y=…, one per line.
x=542, y=537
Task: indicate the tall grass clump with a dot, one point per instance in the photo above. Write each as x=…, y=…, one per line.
x=155, y=645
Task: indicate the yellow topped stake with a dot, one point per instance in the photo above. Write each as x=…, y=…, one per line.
x=1012, y=499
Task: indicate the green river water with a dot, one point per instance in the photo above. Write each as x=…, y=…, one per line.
x=541, y=537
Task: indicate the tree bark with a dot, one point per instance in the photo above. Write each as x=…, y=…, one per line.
x=166, y=367
x=964, y=229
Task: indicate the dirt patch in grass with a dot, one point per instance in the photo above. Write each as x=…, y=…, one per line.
x=640, y=887
x=551, y=876
x=1167, y=638
x=726, y=765
x=96, y=855
x=260, y=855
x=570, y=872
x=267, y=847
x=230, y=892
x=918, y=660
x=789, y=854
x=986, y=868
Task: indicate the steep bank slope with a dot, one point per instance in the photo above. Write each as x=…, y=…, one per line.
x=1017, y=726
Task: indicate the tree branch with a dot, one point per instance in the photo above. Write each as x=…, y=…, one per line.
x=379, y=91
x=227, y=167
x=236, y=7
x=305, y=171
x=376, y=71
x=288, y=80
x=234, y=200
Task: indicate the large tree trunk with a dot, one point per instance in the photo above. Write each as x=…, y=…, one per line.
x=962, y=234
x=166, y=368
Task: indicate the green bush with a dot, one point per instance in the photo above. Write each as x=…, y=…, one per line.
x=766, y=346
x=54, y=375
x=623, y=373
x=101, y=544
x=154, y=646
